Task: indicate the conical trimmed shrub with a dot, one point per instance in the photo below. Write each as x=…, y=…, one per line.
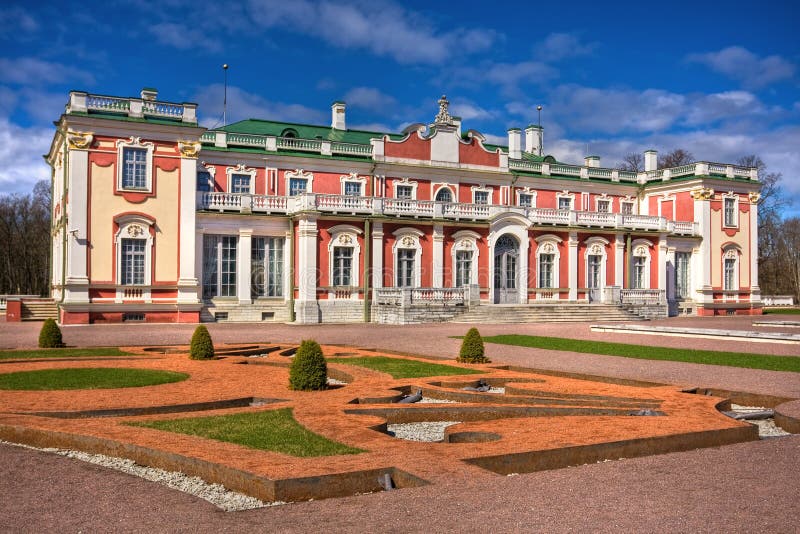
x=50, y=335
x=472, y=348
x=309, y=371
x=202, y=348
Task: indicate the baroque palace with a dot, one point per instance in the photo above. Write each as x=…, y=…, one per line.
x=158, y=219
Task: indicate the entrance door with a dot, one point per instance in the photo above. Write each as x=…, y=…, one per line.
x=593, y=278
x=506, y=270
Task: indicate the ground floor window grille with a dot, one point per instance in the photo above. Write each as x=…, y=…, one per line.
x=219, y=266
x=266, y=267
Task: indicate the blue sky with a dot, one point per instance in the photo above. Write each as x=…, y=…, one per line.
x=721, y=79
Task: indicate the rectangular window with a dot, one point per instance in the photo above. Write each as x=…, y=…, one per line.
x=133, y=261
x=564, y=203
x=240, y=183
x=134, y=168
x=275, y=268
x=352, y=189
x=405, y=267
x=406, y=192
x=526, y=200
x=639, y=272
x=204, y=182
x=342, y=266
x=595, y=264
x=463, y=268
x=219, y=266
x=604, y=206
x=627, y=208
x=730, y=212
x=546, y=262
x=481, y=197
x=297, y=186
x=682, y=279
x=730, y=275
x=266, y=268
x=258, y=267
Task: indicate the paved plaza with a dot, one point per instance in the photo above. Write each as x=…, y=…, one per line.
x=743, y=487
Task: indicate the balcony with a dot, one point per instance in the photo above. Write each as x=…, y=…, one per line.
x=427, y=209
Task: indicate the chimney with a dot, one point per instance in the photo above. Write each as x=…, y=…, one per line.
x=337, y=116
x=515, y=143
x=592, y=161
x=149, y=93
x=534, y=136
x=650, y=160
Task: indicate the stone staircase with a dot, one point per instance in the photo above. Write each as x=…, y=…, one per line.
x=546, y=313
x=39, y=309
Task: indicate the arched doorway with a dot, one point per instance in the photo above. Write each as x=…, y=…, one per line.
x=506, y=270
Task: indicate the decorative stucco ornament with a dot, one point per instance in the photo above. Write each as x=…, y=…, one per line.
x=135, y=230
x=189, y=149
x=754, y=197
x=407, y=241
x=345, y=239
x=443, y=117
x=703, y=193
x=79, y=140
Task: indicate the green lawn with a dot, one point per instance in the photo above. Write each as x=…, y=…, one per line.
x=87, y=378
x=401, y=368
x=60, y=353
x=271, y=430
x=781, y=311
x=710, y=357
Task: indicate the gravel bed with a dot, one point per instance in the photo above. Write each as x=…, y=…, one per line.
x=766, y=427
x=428, y=431
x=216, y=494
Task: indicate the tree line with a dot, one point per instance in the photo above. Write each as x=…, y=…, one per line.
x=25, y=232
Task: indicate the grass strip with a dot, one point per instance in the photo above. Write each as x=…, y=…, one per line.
x=781, y=311
x=402, y=368
x=87, y=378
x=707, y=357
x=270, y=430
x=61, y=353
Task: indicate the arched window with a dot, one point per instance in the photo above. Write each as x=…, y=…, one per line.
x=134, y=243
x=465, y=254
x=344, y=254
x=596, y=262
x=444, y=195
x=407, y=252
x=730, y=268
x=640, y=264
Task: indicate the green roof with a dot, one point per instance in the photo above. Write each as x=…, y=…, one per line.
x=305, y=131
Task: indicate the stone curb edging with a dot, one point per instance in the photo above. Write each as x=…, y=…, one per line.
x=708, y=333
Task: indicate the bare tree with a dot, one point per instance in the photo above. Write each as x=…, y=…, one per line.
x=633, y=161
x=789, y=245
x=675, y=158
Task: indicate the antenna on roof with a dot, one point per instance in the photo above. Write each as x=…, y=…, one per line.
x=225, y=97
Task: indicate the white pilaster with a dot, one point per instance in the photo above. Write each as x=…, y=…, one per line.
x=702, y=264
x=77, y=281
x=662, y=262
x=619, y=260
x=573, y=266
x=187, y=277
x=244, y=260
x=755, y=289
x=306, y=307
x=438, y=256
x=377, y=255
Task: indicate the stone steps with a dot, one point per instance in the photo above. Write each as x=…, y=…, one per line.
x=548, y=313
x=39, y=310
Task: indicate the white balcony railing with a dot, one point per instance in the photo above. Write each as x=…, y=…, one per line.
x=642, y=297
x=414, y=208
x=548, y=216
x=343, y=203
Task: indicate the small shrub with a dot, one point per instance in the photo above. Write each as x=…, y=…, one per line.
x=472, y=348
x=201, y=348
x=309, y=371
x=50, y=335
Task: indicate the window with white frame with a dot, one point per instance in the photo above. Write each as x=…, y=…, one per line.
x=730, y=211
x=730, y=269
x=405, y=267
x=463, y=268
x=525, y=200
x=547, y=270
x=344, y=254
x=465, y=253
x=352, y=189
x=604, y=205
x=405, y=192
x=596, y=262
x=297, y=186
x=135, y=165
x=407, y=255
x=266, y=267
x=353, y=185
x=480, y=197
x=682, y=274
x=640, y=266
x=444, y=194
x=241, y=179
x=240, y=183
x=565, y=202
x=298, y=182
x=547, y=260
x=134, y=243
x=626, y=207
x=219, y=265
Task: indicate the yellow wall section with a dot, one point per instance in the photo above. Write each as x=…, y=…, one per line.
x=719, y=238
x=163, y=208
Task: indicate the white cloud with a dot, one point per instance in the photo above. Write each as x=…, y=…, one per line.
x=244, y=105
x=469, y=111
x=740, y=64
x=21, y=162
x=33, y=71
x=382, y=27
x=184, y=38
x=558, y=46
x=369, y=98
x=15, y=20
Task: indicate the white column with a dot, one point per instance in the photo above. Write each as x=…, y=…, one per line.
x=438, y=256
x=244, y=259
x=755, y=289
x=619, y=260
x=198, y=260
x=662, y=262
x=702, y=285
x=306, y=309
x=524, y=252
x=187, y=277
x=77, y=280
x=377, y=255
x=573, y=266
